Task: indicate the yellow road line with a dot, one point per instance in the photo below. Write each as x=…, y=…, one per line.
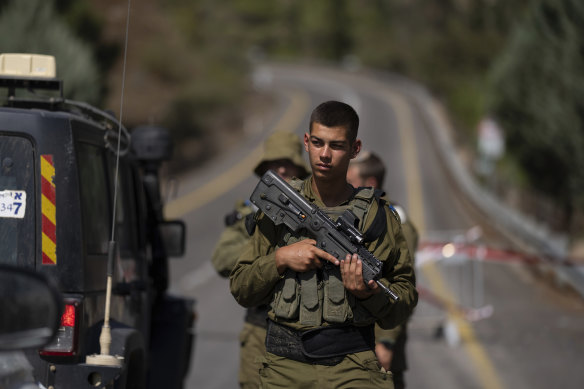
x=484, y=367
x=223, y=183
x=414, y=191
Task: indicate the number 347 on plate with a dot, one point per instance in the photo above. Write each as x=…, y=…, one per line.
x=12, y=203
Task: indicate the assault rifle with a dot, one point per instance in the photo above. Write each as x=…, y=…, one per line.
x=284, y=205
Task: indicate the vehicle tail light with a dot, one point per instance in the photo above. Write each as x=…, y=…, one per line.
x=65, y=343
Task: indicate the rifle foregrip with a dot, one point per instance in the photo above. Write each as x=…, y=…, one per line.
x=372, y=267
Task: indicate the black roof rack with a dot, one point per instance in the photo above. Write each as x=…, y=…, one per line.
x=30, y=83
x=59, y=103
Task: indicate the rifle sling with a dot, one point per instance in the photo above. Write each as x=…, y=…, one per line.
x=379, y=225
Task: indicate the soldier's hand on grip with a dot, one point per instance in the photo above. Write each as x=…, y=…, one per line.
x=352, y=274
x=302, y=256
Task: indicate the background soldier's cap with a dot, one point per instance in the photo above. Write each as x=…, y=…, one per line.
x=282, y=145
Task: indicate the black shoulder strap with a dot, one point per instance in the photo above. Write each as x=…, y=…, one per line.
x=379, y=225
x=232, y=217
x=250, y=223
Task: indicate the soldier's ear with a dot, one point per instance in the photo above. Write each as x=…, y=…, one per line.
x=356, y=148
x=371, y=181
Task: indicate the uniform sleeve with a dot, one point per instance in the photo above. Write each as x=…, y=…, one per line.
x=412, y=237
x=398, y=274
x=387, y=336
x=255, y=275
x=229, y=247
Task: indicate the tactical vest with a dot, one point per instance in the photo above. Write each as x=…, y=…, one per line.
x=317, y=295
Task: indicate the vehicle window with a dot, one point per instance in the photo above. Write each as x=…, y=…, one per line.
x=17, y=199
x=138, y=199
x=123, y=212
x=125, y=220
x=95, y=200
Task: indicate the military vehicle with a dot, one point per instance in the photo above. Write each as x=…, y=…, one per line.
x=31, y=316
x=59, y=160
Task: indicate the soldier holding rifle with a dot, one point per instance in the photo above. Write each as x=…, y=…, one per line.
x=320, y=330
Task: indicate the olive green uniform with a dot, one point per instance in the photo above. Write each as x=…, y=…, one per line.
x=252, y=336
x=396, y=338
x=232, y=240
x=305, y=301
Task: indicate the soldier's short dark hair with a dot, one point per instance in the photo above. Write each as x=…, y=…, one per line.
x=370, y=165
x=336, y=114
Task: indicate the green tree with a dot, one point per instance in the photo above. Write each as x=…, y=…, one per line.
x=214, y=57
x=33, y=26
x=538, y=96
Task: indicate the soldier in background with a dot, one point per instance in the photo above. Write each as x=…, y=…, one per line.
x=369, y=171
x=282, y=154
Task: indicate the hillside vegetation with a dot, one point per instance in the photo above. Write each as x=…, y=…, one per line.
x=188, y=61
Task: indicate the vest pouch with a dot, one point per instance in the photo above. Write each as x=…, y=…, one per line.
x=286, y=299
x=311, y=295
x=336, y=308
x=287, y=295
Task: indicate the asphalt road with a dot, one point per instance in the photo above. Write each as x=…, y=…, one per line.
x=531, y=334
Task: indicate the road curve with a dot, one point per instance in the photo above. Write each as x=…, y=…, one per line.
x=529, y=336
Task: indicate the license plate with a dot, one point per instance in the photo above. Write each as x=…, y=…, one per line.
x=12, y=203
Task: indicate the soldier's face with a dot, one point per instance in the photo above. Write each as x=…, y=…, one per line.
x=329, y=151
x=285, y=168
x=354, y=178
